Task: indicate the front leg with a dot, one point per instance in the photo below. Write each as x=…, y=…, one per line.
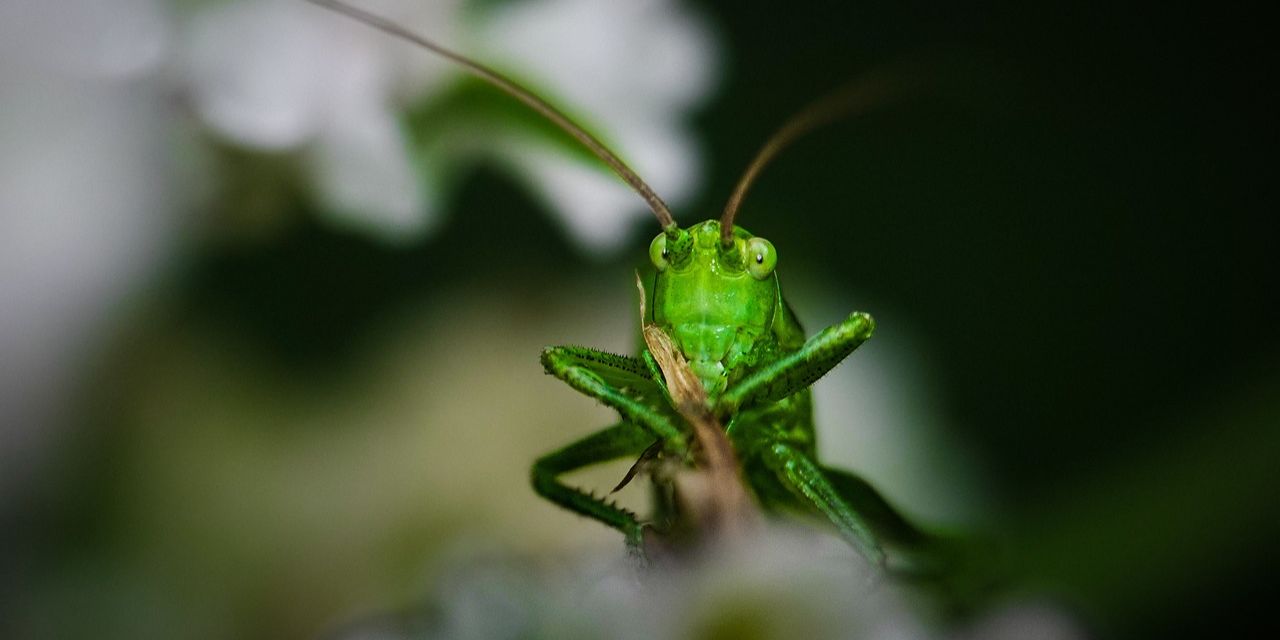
x=885, y=521
x=799, y=473
x=622, y=439
x=622, y=383
x=796, y=371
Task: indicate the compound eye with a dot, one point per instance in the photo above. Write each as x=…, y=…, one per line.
x=760, y=257
x=658, y=252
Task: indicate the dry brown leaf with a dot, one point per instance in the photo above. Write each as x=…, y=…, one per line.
x=718, y=498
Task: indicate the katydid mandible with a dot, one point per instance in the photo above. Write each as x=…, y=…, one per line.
x=716, y=295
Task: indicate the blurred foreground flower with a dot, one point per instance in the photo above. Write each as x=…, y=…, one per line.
x=87, y=193
x=779, y=583
x=284, y=75
x=634, y=68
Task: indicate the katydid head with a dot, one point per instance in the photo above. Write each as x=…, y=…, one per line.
x=715, y=300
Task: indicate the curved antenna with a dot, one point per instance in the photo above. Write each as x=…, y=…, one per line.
x=512, y=88
x=854, y=97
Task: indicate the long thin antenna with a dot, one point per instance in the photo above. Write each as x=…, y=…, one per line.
x=854, y=97
x=512, y=88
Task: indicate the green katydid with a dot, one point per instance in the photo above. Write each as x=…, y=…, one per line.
x=717, y=302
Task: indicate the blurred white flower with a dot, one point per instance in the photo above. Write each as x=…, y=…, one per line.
x=1032, y=619
x=636, y=69
x=83, y=39
x=777, y=583
x=285, y=75
x=85, y=199
x=281, y=75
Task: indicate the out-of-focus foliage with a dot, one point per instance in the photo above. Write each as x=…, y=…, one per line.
x=272, y=289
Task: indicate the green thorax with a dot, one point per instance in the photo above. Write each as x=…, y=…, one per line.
x=722, y=304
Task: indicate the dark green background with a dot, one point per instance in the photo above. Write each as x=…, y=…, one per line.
x=1073, y=222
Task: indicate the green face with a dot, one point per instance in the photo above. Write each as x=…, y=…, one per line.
x=716, y=301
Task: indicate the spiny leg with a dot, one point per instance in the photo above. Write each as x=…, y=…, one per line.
x=915, y=553
x=622, y=383
x=912, y=552
x=884, y=521
x=797, y=370
x=622, y=439
x=655, y=374
x=802, y=475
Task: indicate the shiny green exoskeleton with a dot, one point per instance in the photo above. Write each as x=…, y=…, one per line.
x=723, y=307
x=716, y=296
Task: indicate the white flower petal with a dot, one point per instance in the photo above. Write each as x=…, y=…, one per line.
x=284, y=75
x=257, y=69
x=86, y=212
x=680, y=61
x=631, y=70
x=104, y=39
x=277, y=74
x=364, y=173
x=616, y=60
x=596, y=207
x=1027, y=620
x=668, y=159
x=271, y=73
x=416, y=72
